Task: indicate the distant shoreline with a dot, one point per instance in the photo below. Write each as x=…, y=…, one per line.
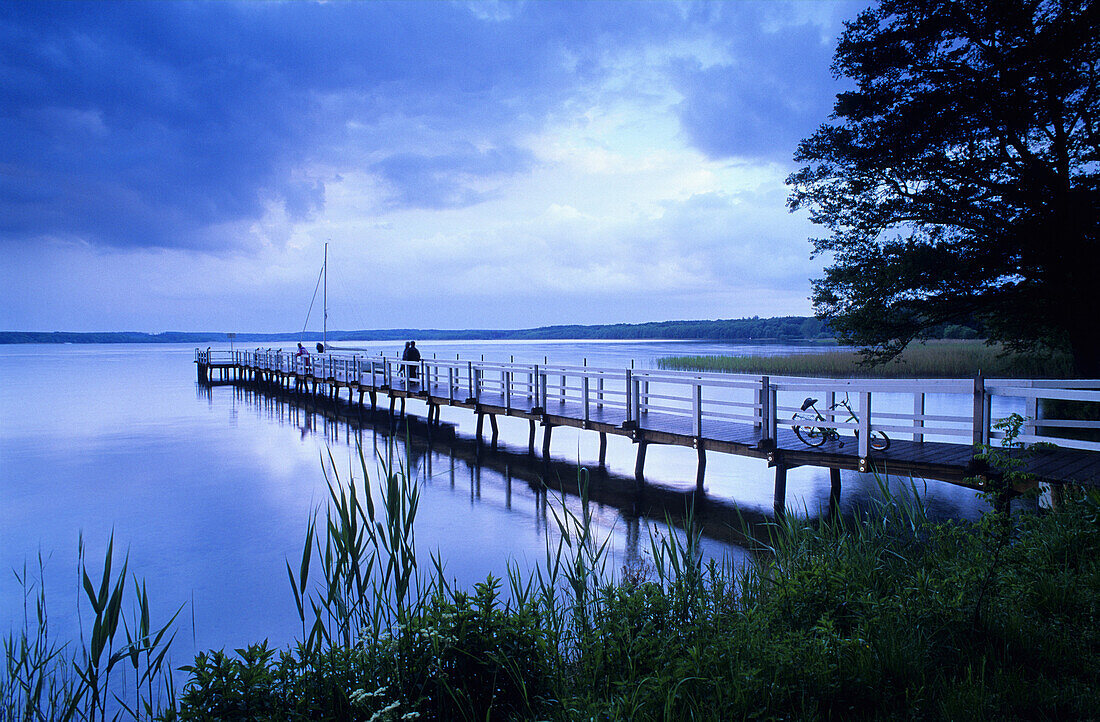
x=782, y=329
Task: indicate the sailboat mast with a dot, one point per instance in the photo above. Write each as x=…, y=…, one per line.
x=324, y=322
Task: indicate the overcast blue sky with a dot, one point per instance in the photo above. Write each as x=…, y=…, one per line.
x=179, y=166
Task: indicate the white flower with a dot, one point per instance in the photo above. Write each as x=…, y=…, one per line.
x=384, y=713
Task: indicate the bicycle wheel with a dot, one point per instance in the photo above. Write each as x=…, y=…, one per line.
x=809, y=435
x=879, y=441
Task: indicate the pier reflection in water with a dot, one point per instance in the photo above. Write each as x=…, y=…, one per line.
x=508, y=485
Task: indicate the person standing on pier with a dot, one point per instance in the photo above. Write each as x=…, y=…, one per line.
x=413, y=354
x=403, y=370
x=303, y=356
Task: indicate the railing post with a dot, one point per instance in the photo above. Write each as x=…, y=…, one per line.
x=697, y=409
x=470, y=378
x=506, y=379
x=584, y=394
x=561, y=390
x=760, y=413
x=773, y=415
x=645, y=396
x=636, y=393
x=760, y=403
x=629, y=402
x=599, y=392
x=451, y=383
x=987, y=417
x=864, y=424
x=1031, y=410
x=980, y=432
x=918, y=415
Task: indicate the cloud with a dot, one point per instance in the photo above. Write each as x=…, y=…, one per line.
x=774, y=86
x=539, y=161
x=452, y=180
x=142, y=124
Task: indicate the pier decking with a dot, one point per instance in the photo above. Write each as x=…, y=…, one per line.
x=934, y=424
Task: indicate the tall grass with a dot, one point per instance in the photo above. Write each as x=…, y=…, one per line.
x=937, y=359
x=44, y=680
x=885, y=616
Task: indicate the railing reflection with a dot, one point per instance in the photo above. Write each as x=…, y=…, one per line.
x=492, y=473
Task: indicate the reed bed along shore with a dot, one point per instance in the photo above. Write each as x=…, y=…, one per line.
x=883, y=617
x=936, y=359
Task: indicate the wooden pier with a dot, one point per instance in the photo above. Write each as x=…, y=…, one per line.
x=935, y=425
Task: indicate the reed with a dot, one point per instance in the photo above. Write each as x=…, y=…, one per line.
x=47, y=681
x=937, y=359
x=887, y=615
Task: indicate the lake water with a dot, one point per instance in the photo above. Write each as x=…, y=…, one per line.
x=210, y=489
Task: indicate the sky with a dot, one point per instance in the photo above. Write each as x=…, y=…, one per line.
x=180, y=166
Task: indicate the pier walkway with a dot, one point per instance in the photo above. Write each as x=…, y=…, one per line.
x=934, y=424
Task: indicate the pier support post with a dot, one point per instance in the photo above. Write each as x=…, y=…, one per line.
x=480, y=425
x=834, y=491
x=493, y=426
x=546, y=429
x=701, y=469
x=1057, y=495
x=603, y=449
x=779, y=500
x=531, y=438
x=639, y=462
x=393, y=403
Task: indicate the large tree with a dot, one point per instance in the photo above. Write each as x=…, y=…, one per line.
x=959, y=178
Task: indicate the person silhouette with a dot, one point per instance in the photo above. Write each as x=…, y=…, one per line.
x=403, y=370
x=413, y=355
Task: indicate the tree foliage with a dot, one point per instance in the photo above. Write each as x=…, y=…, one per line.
x=958, y=178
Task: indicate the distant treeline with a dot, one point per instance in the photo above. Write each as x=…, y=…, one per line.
x=781, y=328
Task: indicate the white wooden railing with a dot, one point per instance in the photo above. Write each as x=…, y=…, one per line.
x=952, y=410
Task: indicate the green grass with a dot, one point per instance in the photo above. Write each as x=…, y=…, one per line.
x=936, y=359
x=884, y=617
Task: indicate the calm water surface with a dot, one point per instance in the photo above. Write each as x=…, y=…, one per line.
x=210, y=488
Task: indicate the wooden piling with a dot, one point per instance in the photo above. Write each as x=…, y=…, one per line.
x=546, y=429
x=834, y=490
x=639, y=461
x=603, y=449
x=701, y=468
x=779, y=500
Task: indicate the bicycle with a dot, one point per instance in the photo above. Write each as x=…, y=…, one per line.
x=818, y=435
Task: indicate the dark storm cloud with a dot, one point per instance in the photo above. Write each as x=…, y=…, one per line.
x=143, y=124
x=775, y=89
x=178, y=124
x=442, y=181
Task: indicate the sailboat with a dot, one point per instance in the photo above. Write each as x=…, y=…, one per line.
x=323, y=277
